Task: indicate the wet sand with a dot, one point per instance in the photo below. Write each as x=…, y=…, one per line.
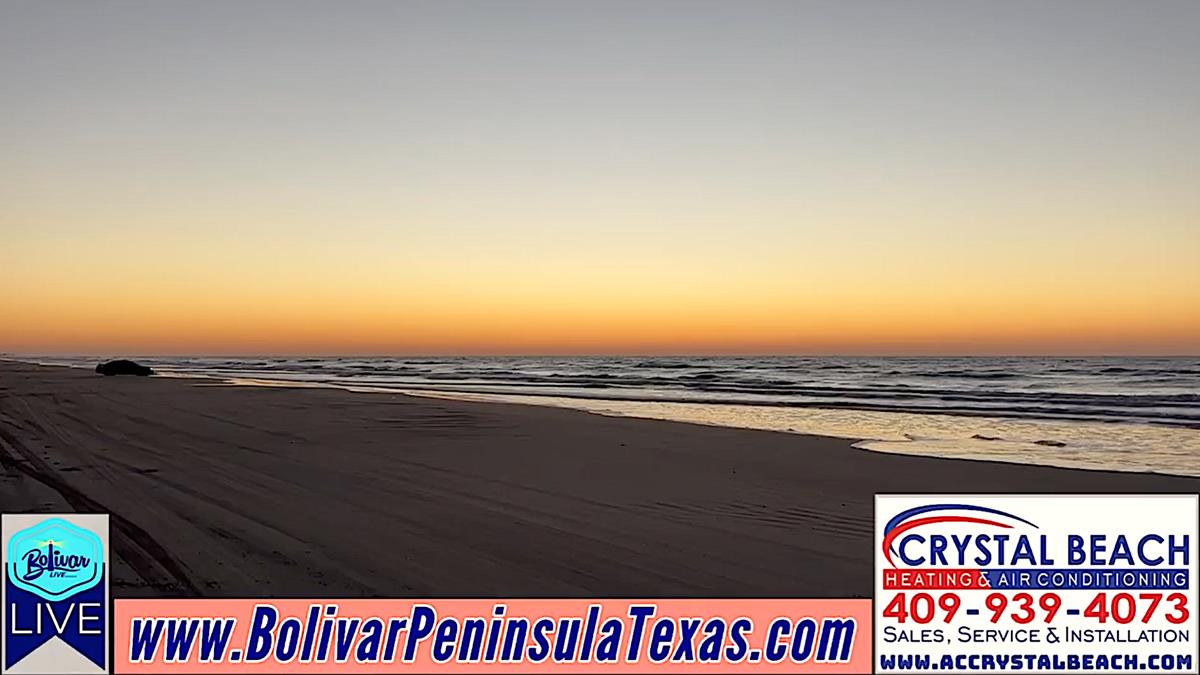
x=220, y=490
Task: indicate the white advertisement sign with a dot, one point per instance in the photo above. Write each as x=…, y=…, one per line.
x=1035, y=583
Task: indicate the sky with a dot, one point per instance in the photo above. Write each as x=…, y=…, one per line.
x=600, y=177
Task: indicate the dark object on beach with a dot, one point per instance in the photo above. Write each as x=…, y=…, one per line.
x=1053, y=444
x=123, y=367
x=981, y=437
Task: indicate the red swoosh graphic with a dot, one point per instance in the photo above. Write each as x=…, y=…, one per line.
x=900, y=529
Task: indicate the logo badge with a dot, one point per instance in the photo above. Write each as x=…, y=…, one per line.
x=55, y=593
x=56, y=559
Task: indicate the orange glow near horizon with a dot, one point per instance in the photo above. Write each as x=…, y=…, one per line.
x=126, y=286
x=497, y=314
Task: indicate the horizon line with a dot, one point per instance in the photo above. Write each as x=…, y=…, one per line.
x=664, y=355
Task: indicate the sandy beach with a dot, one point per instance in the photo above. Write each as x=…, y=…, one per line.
x=219, y=490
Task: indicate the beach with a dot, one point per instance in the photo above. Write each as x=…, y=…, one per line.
x=218, y=490
x=1107, y=413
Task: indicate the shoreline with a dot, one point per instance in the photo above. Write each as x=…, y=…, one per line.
x=1073, y=444
x=222, y=490
x=499, y=392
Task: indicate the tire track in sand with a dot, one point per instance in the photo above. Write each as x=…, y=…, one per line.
x=145, y=556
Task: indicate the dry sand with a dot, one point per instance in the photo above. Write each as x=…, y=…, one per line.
x=231, y=491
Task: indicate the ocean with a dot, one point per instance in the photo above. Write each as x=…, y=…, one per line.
x=1117, y=413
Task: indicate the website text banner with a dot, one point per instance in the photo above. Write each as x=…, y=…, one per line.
x=492, y=636
x=1036, y=583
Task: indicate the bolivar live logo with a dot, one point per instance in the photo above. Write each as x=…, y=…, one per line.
x=1037, y=583
x=55, y=593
